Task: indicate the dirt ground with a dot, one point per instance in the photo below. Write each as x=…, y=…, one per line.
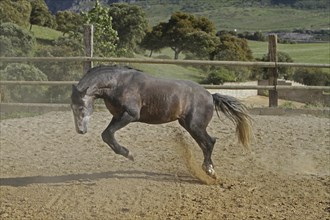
x=50, y=172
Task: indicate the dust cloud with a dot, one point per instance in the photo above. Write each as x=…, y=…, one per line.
x=184, y=149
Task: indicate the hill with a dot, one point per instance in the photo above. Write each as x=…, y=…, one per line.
x=255, y=15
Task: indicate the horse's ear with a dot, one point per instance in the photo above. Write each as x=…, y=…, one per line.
x=74, y=88
x=77, y=92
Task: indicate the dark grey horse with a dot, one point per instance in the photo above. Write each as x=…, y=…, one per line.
x=133, y=96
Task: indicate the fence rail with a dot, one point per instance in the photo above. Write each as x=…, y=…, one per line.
x=233, y=87
x=162, y=61
x=87, y=60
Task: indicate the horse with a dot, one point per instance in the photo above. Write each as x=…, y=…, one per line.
x=134, y=96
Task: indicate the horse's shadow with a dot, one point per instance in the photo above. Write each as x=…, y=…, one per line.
x=90, y=178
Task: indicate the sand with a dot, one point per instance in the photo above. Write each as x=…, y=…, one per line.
x=48, y=171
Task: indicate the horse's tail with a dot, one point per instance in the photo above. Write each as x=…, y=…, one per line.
x=236, y=112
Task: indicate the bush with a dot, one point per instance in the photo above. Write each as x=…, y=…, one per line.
x=61, y=71
x=164, y=57
x=15, y=41
x=219, y=76
x=283, y=72
x=256, y=36
x=17, y=72
x=312, y=77
x=15, y=11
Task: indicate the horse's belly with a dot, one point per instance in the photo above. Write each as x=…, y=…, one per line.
x=157, y=112
x=158, y=116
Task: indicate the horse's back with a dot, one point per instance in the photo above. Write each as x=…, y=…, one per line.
x=165, y=100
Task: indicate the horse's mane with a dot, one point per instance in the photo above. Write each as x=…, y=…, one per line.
x=101, y=73
x=101, y=68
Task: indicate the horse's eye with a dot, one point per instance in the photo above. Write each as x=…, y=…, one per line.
x=81, y=108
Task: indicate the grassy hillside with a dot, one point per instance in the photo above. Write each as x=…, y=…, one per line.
x=305, y=53
x=45, y=33
x=231, y=15
x=253, y=15
x=300, y=53
x=172, y=71
x=267, y=19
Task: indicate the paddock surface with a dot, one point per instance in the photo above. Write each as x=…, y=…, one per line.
x=48, y=171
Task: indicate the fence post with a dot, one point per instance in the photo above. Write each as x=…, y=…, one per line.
x=88, y=43
x=273, y=74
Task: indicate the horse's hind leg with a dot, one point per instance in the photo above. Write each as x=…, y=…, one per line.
x=108, y=134
x=197, y=129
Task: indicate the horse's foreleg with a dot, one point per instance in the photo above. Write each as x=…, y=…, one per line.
x=108, y=134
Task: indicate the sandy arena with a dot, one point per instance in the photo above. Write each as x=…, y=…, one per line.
x=48, y=171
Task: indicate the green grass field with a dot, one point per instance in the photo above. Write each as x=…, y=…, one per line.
x=244, y=18
x=170, y=71
x=300, y=53
x=266, y=19
x=45, y=33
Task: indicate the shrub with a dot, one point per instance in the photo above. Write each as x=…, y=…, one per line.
x=15, y=41
x=17, y=93
x=283, y=72
x=15, y=11
x=219, y=76
x=312, y=77
x=61, y=71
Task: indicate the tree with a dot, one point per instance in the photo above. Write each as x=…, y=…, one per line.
x=182, y=30
x=15, y=11
x=256, y=36
x=68, y=21
x=152, y=40
x=15, y=41
x=105, y=37
x=284, y=2
x=231, y=48
x=201, y=44
x=40, y=15
x=130, y=23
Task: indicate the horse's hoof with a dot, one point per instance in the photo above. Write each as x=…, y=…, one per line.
x=130, y=156
x=212, y=174
x=209, y=170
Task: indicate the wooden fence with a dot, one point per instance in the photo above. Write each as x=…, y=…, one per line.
x=273, y=66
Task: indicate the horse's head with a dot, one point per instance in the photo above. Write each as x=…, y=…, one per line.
x=82, y=107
